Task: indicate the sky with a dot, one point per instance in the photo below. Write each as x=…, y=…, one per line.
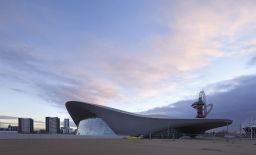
x=140, y=56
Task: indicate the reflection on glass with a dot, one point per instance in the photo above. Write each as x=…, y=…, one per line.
x=94, y=126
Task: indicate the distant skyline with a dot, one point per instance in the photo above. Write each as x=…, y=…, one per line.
x=133, y=55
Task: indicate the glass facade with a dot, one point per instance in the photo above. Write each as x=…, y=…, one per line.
x=94, y=127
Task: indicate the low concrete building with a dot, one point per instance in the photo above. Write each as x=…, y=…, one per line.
x=94, y=119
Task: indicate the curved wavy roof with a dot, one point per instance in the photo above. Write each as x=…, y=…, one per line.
x=126, y=123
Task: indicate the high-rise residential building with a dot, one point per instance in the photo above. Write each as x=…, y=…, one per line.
x=65, y=129
x=66, y=123
x=26, y=125
x=52, y=125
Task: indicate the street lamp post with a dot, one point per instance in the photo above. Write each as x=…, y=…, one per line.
x=251, y=132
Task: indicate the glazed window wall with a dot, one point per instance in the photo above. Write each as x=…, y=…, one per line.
x=94, y=126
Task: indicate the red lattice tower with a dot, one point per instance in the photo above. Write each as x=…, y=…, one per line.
x=201, y=106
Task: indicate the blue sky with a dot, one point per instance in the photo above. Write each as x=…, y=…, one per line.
x=130, y=55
